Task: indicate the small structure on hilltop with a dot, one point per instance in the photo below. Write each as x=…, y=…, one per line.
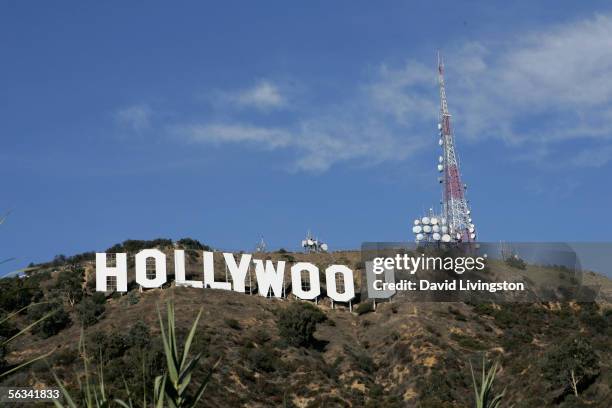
x=261, y=246
x=311, y=244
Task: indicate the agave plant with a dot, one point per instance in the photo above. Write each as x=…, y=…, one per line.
x=483, y=392
x=172, y=385
x=169, y=389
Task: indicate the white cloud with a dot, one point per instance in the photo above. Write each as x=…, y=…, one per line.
x=318, y=143
x=265, y=95
x=535, y=91
x=542, y=87
x=268, y=138
x=135, y=117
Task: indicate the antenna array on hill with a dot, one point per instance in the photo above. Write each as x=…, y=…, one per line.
x=455, y=222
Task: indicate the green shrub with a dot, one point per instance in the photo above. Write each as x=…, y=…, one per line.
x=89, y=312
x=516, y=262
x=107, y=346
x=132, y=297
x=99, y=298
x=364, y=308
x=364, y=362
x=263, y=359
x=260, y=336
x=65, y=357
x=233, y=324
x=17, y=293
x=139, y=335
x=298, y=322
x=69, y=285
x=467, y=341
x=57, y=321
x=192, y=244
x=570, y=364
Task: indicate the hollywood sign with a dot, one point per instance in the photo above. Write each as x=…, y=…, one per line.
x=269, y=275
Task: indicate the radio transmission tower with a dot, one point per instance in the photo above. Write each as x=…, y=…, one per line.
x=454, y=204
x=455, y=222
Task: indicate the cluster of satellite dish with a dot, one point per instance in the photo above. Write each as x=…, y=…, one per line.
x=434, y=228
x=311, y=244
x=431, y=228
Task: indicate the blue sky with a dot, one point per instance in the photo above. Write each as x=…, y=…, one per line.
x=224, y=121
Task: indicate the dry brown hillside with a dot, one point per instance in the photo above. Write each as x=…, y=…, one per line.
x=403, y=354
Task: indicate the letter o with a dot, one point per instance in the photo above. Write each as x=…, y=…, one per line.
x=160, y=268
x=349, y=285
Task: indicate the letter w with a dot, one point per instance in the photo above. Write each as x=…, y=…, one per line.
x=269, y=277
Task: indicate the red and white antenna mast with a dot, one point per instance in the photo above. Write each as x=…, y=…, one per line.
x=454, y=204
x=455, y=222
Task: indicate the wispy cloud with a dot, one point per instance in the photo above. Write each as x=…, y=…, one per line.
x=264, y=95
x=318, y=144
x=135, y=117
x=360, y=128
x=535, y=92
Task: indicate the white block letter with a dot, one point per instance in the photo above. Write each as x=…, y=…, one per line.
x=179, y=271
x=349, y=285
x=209, y=273
x=313, y=277
x=160, y=268
x=269, y=277
x=103, y=271
x=238, y=272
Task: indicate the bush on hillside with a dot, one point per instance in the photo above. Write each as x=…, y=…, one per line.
x=139, y=335
x=70, y=285
x=570, y=365
x=364, y=308
x=16, y=293
x=89, y=311
x=57, y=320
x=516, y=262
x=298, y=322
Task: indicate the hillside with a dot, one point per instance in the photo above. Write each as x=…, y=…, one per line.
x=403, y=354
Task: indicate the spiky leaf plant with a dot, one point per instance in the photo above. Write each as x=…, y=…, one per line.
x=483, y=392
x=174, y=382
x=169, y=389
